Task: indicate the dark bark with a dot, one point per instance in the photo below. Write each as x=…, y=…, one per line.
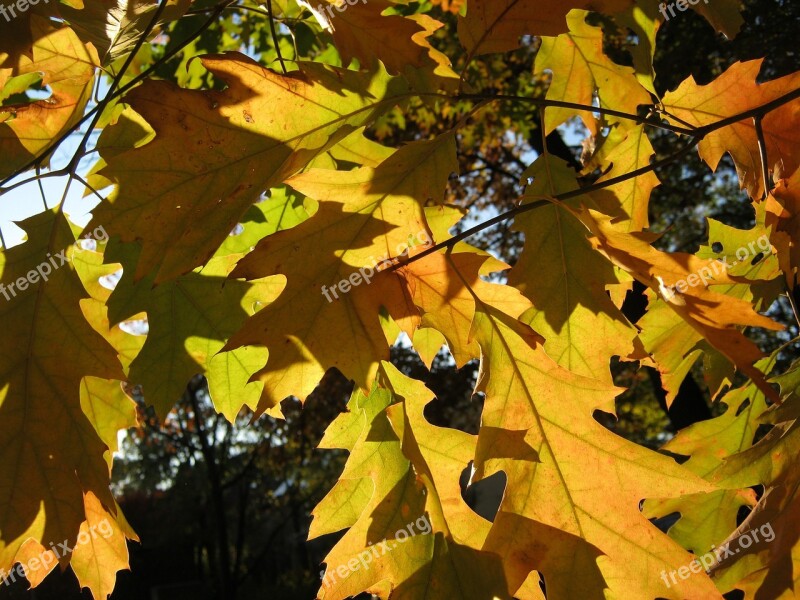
x=227, y=583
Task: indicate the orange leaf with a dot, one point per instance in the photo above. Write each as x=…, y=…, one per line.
x=734, y=92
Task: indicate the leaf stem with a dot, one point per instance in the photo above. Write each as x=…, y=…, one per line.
x=203, y=11
x=762, y=150
x=544, y=102
x=275, y=41
x=79, y=151
x=99, y=107
x=793, y=304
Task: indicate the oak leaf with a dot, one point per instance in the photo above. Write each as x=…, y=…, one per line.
x=707, y=519
x=767, y=567
x=362, y=31
x=783, y=215
x=115, y=26
x=67, y=66
x=45, y=433
x=733, y=93
x=622, y=152
x=571, y=309
x=190, y=319
x=366, y=218
x=562, y=489
x=279, y=122
x=100, y=551
x=386, y=496
x=496, y=25
x=581, y=70
x=751, y=272
x=712, y=314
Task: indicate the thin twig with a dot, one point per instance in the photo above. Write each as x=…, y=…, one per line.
x=41, y=187
x=59, y=208
x=275, y=41
x=762, y=150
x=664, y=111
x=73, y=163
x=793, y=304
x=523, y=208
x=89, y=187
x=59, y=173
x=124, y=89
x=544, y=102
x=203, y=11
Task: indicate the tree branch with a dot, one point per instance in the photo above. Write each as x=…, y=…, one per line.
x=762, y=150
x=539, y=203
x=100, y=107
x=275, y=36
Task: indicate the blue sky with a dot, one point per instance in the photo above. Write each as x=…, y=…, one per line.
x=26, y=201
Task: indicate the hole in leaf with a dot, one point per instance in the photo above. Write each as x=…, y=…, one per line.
x=88, y=244
x=762, y=430
x=742, y=514
x=453, y=413
x=543, y=585
x=716, y=247
x=484, y=496
x=135, y=327
x=757, y=258
x=678, y=458
x=667, y=521
x=759, y=490
x=453, y=405
x=774, y=385
x=743, y=406
x=23, y=89
x=111, y=280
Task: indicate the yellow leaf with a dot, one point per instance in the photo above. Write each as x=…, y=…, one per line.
x=410, y=532
x=48, y=350
x=361, y=31
x=185, y=213
x=191, y=318
x=581, y=70
x=100, y=550
x=332, y=265
x=68, y=69
x=627, y=151
x=581, y=326
x=575, y=493
x=115, y=26
x=707, y=519
x=783, y=214
x=712, y=314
